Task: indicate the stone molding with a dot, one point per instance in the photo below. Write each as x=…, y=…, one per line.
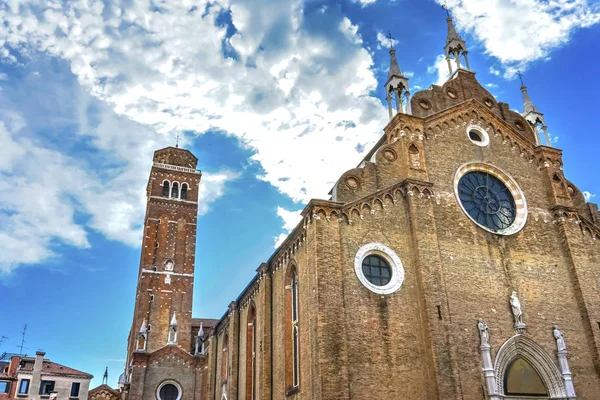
x=522, y=346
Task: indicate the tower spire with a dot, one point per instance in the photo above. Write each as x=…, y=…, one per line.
x=532, y=115
x=456, y=47
x=396, y=85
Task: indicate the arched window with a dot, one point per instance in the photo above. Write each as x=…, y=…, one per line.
x=522, y=379
x=224, y=358
x=250, y=353
x=166, y=187
x=184, y=189
x=415, y=157
x=292, y=360
x=175, y=190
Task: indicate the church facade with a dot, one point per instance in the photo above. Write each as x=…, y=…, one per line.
x=457, y=261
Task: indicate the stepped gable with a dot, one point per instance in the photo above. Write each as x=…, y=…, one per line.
x=461, y=87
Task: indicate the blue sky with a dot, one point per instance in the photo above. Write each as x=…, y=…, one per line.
x=276, y=98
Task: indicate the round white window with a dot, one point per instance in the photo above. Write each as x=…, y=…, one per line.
x=378, y=268
x=478, y=136
x=490, y=198
x=168, y=390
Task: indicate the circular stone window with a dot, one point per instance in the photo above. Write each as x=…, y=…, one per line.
x=389, y=155
x=490, y=198
x=519, y=125
x=424, y=104
x=168, y=391
x=478, y=136
x=352, y=182
x=453, y=94
x=378, y=268
x=488, y=102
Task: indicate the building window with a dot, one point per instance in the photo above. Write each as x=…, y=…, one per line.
x=292, y=359
x=4, y=387
x=521, y=379
x=250, y=352
x=168, y=391
x=166, y=188
x=24, y=386
x=184, y=189
x=490, y=198
x=379, y=268
x=75, y=389
x=224, y=358
x=175, y=190
x=46, y=387
x=478, y=136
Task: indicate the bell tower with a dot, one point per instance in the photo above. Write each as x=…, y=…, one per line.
x=166, y=273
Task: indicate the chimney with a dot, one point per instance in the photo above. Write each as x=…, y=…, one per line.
x=39, y=360
x=37, y=372
x=13, y=366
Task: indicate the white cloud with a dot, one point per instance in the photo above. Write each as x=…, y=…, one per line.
x=50, y=200
x=275, y=84
x=491, y=85
x=383, y=41
x=212, y=187
x=290, y=220
x=439, y=68
x=495, y=71
x=588, y=196
x=519, y=32
x=3, y=76
x=364, y=3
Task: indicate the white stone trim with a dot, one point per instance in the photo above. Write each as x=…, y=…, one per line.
x=511, y=184
x=522, y=346
x=169, y=382
x=485, y=138
x=393, y=260
x=149, y=271
x=176, y=168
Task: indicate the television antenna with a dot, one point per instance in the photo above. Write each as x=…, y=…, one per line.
x=2, y=339
x=21, y=347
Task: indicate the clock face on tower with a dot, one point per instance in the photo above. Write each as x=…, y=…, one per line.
x=490, y=198
x=487, y=200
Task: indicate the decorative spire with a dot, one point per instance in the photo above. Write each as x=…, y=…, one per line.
x=456, y=47
x=452, y=34
x=396, y=85
x=201, y=330
x=172, y=337
x=532, y=114
x=394, y=68
x=105, y=377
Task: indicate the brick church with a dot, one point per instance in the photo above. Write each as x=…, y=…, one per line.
x=455, y=262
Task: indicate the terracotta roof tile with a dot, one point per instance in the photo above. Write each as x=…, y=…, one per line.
x=52, y=368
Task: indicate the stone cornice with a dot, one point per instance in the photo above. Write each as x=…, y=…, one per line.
x=177, y=168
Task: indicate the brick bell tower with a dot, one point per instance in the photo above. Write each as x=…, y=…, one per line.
x=163, y=304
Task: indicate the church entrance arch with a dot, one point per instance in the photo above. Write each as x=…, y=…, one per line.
x=523, y=370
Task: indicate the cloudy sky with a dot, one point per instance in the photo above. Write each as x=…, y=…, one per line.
x=276, y=98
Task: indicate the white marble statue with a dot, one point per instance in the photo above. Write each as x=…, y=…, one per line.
x=483, y=333
x=515, y=304
x=560, y=341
